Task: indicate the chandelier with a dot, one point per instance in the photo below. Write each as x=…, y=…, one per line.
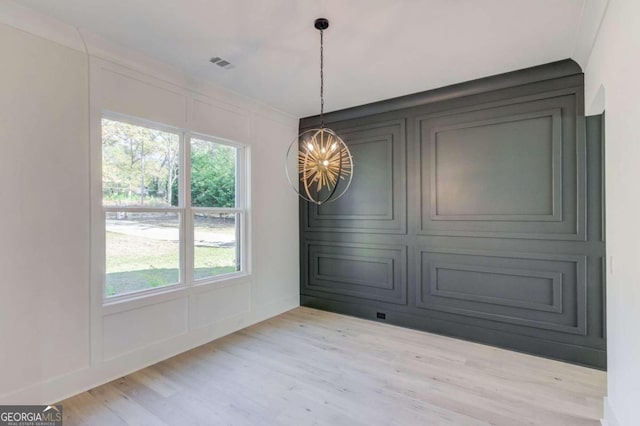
x=324, y=166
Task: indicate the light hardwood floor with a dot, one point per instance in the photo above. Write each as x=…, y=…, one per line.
x=313, y=367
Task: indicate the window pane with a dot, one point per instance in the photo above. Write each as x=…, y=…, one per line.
x=142, y=251
x=213, y=174
x=216, y=250
x=139, y=165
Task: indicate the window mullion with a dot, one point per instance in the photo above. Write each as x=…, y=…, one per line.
x=241, y=194
x=187, y=239
x=241, y=201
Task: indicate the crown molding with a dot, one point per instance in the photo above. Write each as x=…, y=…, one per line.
x=38, y=24
x=593, y=12
x=553, y=70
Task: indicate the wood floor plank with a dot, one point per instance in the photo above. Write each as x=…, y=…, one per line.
x=314, y=367
x=398, y=377
x=420, y=363
x=85, y=409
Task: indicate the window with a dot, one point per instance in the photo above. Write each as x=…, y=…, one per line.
x=173, y=206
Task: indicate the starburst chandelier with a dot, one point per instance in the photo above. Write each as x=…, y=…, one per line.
x=324, y=165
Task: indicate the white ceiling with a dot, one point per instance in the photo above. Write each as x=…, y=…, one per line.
x=374, y=49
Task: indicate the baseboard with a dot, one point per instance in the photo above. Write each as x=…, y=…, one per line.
x=609, y=418
x=63, y=387
x=585, y=356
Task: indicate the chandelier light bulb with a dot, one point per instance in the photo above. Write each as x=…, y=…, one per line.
x=321, y=176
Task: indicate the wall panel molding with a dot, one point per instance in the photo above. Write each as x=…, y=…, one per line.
x=386, y=211
x=555, y=212
x=566, y=218
x=377, y=199
x=554, y=278
x=384, y=280
x=567, y=272
x=492, y=223
x=375, y=272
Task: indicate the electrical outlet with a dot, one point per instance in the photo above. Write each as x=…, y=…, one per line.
x=611, y=265
x=381, y=315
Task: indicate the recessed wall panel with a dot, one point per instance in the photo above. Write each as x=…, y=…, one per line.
x=500, y=169
x=220, y=120
x=126, y=331
x=506, y=172
x=374, y=272
x=534, y=290
x=219, y=304
x=139, y=97
x=355, y=270
x=370, y=196
x=376, y=199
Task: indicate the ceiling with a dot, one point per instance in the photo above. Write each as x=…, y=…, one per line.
x=374, y=49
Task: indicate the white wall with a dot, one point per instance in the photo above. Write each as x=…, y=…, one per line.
x=44, y=220
x=57, y=337
x=613, y=82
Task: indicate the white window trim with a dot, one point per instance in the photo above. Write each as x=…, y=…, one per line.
x=186, y=248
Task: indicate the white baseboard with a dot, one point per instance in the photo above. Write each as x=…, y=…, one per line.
x=609, y=418
x=60, y=388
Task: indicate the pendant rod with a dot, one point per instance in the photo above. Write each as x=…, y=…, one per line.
x=321, y=79
x=321, y=24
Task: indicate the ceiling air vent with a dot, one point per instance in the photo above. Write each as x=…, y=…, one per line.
x=222, y=63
